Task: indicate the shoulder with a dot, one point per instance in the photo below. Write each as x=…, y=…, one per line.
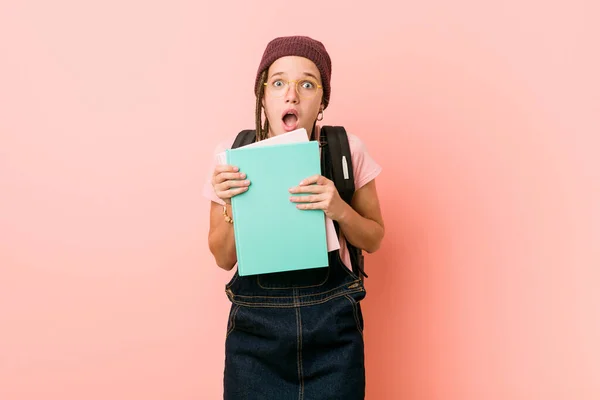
x=364, y=166
x=229, y=140
x=357, y=146
x=225, y=144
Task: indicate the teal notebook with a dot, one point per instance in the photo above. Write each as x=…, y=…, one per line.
x=271, y=234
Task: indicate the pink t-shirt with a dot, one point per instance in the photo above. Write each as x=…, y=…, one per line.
x=363, y=165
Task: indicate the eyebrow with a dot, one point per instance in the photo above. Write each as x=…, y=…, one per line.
x=305, y=73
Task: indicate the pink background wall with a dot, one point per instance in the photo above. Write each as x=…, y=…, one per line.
x=484, y=117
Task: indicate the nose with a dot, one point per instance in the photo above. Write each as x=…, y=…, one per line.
x=291, y=96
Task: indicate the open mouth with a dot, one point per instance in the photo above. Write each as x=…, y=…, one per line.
x=290, y=120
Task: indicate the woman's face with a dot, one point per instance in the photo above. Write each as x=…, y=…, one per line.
x=286, y=109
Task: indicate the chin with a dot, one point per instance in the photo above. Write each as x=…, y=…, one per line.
x=276, y=132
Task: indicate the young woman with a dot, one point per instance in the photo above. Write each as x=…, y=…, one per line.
x=296, y=335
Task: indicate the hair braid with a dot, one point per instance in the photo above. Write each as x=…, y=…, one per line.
x=262, y=131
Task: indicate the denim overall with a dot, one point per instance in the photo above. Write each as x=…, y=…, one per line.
x=295, y=335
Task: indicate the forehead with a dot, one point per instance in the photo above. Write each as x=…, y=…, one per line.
x=294, y=66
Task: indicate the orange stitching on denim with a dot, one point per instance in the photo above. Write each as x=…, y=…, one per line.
x=294, y=304
x=355, y=308
x=304, y=295
x=299, y=357
x=232, y=320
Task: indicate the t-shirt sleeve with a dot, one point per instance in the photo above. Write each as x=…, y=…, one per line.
x=208, y=190
x=364, y=167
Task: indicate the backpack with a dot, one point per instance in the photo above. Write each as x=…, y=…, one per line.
x=336, y=165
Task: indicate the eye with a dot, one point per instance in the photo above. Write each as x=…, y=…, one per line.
x=277, y=83
x=308, y=85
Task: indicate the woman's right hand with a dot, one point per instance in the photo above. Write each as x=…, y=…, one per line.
x=227, y=182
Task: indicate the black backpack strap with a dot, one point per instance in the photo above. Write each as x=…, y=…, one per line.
x=341, y=159
x=244, y=138
x=336, y=164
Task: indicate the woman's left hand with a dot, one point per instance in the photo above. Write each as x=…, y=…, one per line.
x=324, y=196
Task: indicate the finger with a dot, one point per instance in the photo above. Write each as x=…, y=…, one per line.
x=235, y=192
x=225, y=168
x=311, y=206
x=308, y=189
x=308, y=199
x=227, y=176
x=227, y=194
x=231, y=184
x=311, y=180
